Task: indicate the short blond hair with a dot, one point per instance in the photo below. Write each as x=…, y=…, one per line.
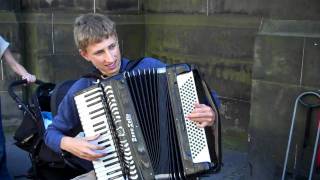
x=92, y=28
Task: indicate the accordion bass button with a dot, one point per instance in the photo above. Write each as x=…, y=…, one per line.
x=128, y=158
x=133, y=169
x=134, y=177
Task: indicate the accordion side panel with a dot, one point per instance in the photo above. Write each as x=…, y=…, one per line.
x=128, y=129
x=213, y=132
x=197, y=136
x=196, y=149
x=95, y=120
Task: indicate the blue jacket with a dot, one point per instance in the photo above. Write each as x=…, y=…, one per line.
x=67, y=119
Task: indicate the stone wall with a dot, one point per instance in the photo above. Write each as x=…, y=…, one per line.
x=225, y=38
x=40, y=32
x=286, y=64
x=222, y=47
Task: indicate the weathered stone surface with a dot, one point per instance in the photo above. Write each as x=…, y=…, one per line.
x=82, y=6
x=10, y=5
x=119, y=6
x=235, y=120
x=284, y=67
x=294, y=9
x=131, y=40
x=272, y=105
x=311, y=63
x=185, y=6
x=63, y=41
x=11, y=115
x=278, y=59
x=57, y=68
x=49, y=6
x=220, y=56
x=292, y=28
x=182, y=34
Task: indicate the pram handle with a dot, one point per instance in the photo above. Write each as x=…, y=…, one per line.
x=14, y=96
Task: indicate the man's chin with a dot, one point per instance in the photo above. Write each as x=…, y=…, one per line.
x=111, y=73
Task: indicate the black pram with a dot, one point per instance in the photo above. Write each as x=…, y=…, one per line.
x=37, y=115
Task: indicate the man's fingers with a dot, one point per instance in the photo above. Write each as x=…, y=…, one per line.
x=91, y=138
x=199, y=115
x=91, y=155
x=202, y=124
x=92, y=152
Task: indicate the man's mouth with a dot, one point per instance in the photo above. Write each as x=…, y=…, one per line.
x=112, y=65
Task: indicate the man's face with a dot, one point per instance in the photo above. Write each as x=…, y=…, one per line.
x=104, y=55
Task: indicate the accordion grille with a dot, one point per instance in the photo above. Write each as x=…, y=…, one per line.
x=196, y=136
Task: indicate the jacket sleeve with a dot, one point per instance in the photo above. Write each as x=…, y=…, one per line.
x=215, y=98
x=66, y=119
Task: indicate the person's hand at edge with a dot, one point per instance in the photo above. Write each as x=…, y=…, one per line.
x=29, y=77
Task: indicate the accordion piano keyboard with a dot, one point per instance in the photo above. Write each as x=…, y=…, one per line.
x=94, y=121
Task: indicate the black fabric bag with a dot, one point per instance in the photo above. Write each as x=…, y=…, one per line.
x=29, y=135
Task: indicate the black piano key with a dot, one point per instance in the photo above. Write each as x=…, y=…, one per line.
x=97, y=110
x=121, y=175
x=111, y=164
x=108, y=159
x=92, y=93
x=103, y=141
x=101, y=128
x=98, y=115
x=104, y=132
x=93, y=98
x=94, y=103
x=97, y=124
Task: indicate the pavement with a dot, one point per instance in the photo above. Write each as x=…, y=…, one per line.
x=18, y=161
x=235, y=164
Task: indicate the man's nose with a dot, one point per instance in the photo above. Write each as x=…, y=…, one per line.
x=109, y=56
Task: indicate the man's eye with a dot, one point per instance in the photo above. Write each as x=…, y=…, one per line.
x=112, y=46
x=99, y=53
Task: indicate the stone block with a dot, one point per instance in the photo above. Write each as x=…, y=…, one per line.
x=294, y=9
x=48, y=6
x=278, y=59
x=119, y=6
x=184, y=6
x=292, y=28
x=272, y=106
x=11, y=115
x=311, y=63
x=57, y=68
x=198, y=35
x=131, y=40
x=9, y=5
x=10, y=31
x=235, y=120
x=230, y=79
x=63, y=41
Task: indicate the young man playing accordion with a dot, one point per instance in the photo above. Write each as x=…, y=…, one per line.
x=96, y=38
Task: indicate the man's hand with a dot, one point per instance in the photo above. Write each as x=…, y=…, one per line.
x=81, y=147
x=203, y=115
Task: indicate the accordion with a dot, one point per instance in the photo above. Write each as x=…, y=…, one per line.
x=141, y=118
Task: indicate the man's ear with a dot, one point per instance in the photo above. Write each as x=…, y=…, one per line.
x=84, y=54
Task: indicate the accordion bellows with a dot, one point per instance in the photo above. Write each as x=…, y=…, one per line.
x=141, y=118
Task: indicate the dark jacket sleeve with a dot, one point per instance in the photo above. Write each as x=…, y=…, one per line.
x=66, y=119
